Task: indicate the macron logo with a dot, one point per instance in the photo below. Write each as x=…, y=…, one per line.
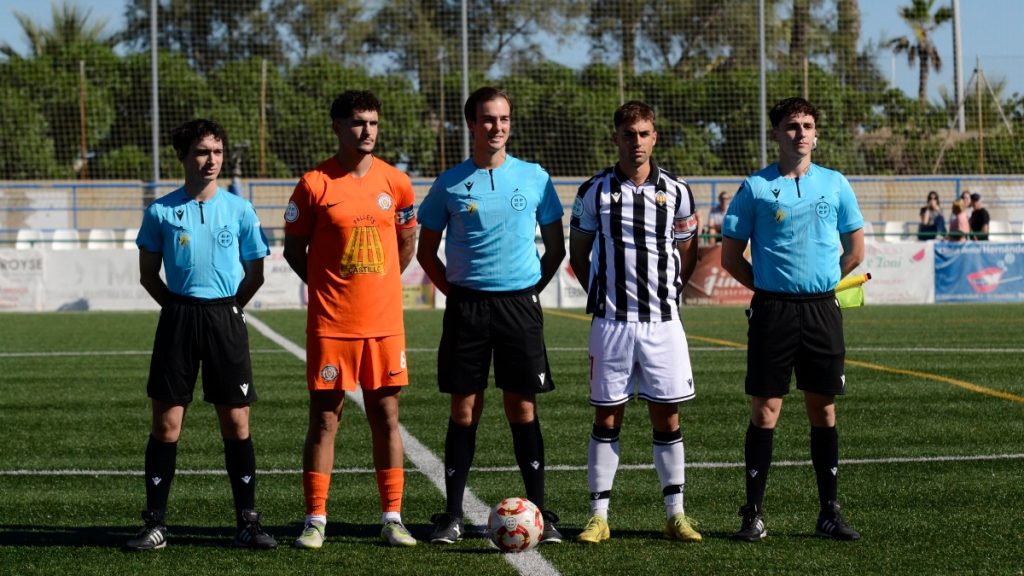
x=541, y=377
x=156, y=480
x=834, y=470
x=245, y=388
x=450, y=471
x=246, y=479
x=535, y=464
x=753, y=473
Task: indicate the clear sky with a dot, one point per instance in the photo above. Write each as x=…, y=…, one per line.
x=989, y=32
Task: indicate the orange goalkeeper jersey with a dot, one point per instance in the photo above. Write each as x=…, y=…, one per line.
x=355, y=282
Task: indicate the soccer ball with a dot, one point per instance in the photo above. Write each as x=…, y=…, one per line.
x=515, y=525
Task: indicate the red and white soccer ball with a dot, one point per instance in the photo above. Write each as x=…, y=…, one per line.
x=515, y=525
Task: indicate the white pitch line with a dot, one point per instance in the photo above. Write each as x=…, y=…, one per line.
x=73, y=354
x=57, y=354
x=552, y=468
x=528, y=563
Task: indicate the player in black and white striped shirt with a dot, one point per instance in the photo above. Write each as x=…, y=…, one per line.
x=633, y=246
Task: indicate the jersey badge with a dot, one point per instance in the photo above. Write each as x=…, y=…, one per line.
x=183, y=239
x=577, y=207
x=364, y=253
x=822, y=209
x=291, y=213
x=329, y=373
x=660, y=198
x=471, y=207
x=225, y=238
x=780, y=215
x=518, y=201
x=384, y=201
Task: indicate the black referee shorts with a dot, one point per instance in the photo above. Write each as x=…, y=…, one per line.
x=509, y=325
x=801, y=333
x=210, y=333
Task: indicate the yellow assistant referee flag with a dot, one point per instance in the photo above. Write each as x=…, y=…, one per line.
x=850, y=290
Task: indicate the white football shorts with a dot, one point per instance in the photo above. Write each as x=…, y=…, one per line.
x=648, y=359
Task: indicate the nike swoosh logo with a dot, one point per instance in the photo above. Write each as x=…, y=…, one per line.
x=332, y=204
x=390, y=373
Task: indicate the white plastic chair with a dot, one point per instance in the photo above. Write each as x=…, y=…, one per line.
x=128, y=240
x=1000, y=231
x=65, y=239
x=29, y=238
x=893, y=231
x=100, y=239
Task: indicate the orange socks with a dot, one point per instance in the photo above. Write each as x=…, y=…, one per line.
x=314, y=487
x=390, y=484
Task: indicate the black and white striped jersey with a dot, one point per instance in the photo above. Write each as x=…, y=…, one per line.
x=634, y=266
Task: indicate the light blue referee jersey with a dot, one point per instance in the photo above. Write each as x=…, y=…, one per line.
x=793, y=225
x=203, y=243
x=491, y=217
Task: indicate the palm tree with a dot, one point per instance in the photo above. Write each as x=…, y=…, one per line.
x=846, y=39
x=70, y=27
x=919, y=47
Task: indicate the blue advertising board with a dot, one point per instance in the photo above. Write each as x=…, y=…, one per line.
x=979, y=272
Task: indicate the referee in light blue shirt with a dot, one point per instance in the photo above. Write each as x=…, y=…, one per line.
x=805, y=232
x=211, y=247
x=491, y=205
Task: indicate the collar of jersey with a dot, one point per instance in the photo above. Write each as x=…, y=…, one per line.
x=653, y=178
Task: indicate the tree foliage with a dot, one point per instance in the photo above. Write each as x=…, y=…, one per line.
x=919, y=47
x=269, y=70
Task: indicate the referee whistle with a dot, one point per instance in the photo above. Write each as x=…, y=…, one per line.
x=853, y=281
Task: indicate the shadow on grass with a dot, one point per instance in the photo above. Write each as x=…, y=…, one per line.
x=106, y=536
x=24, y=535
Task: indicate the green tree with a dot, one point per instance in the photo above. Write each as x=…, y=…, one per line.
x=334, y=29
x=207, y=34
x=844, y=43
x=28, y=151
x=923, y=20
x=414, y=34
x=70, y=28
x=236, y=89
x=183, y=92
x=704, y=36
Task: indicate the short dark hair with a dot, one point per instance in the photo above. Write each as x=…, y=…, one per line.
x=187, y=134
x=791, y=106
x=351, y=101
x=632, y=112
x=485, y=94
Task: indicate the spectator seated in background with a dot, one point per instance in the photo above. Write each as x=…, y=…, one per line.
x=713, y=230
x=933, y=225
x=958, y=224
x=979, y=218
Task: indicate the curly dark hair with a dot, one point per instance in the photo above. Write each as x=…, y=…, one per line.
x=352, y=101
x=791, y=106
x=187, y=134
